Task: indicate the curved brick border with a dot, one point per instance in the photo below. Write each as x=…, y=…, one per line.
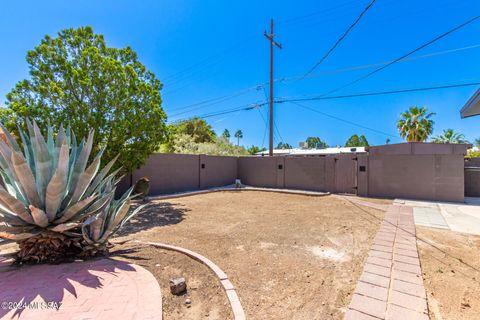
x=238, y=313
x=243, y=188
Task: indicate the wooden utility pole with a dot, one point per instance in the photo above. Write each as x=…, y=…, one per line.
x=270, y=38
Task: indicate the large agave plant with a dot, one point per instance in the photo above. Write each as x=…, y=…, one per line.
x=53, y=202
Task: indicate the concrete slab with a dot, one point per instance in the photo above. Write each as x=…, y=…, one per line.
x=458, y=217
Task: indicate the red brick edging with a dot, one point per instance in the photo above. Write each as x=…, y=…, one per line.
x=391, y=285
x=238, y=313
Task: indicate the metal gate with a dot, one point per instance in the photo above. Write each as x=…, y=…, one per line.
x=346, y=174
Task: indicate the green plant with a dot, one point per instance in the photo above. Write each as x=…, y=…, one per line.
x=77, y=78
x=357, y=141
x=54, y=203
x=415, y=124
x=450, y=136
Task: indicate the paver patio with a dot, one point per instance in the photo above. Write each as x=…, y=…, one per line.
x=99, y=289
x=391, y=285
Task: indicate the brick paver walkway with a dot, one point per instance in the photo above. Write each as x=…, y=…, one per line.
x=99, y=289
x=391, y=285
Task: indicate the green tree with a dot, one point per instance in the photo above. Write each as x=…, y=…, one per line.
x=387, y=141
x=450, y=136
x=357, y=141
x=255, y=149
x=195, y=127
x=238, y=135
x=77, y=80
x=415, y=124
x=226, y=134
x=477, y=143
x=283, y=145
x=184, y=143
x=315, y=143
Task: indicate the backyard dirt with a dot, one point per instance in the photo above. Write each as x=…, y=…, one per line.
x=207, y=298
x=451, y=271
x=289, y=256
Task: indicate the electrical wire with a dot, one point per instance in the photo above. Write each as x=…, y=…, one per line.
x=458, y=27
x=344, y=120
x=350, y=28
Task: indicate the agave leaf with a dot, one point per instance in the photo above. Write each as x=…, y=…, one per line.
x=65, y=227
x=100, y=176
x=98, y=206
x=25, y=178
x=56, y=187
x=131, y=215
x=43, y=163
x=81, y=161
x=75, y=209
x=85, y=227
x=15, y=206
x=84, y=180
x=59, y=141
x=96, y=228
x=115, y=220
x=50, y=142
x=11, y=140
x=19, y=236
x=27, y=149
x=39, y=216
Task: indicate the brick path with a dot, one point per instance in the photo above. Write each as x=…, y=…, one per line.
x=391, y=285
x=99, y=289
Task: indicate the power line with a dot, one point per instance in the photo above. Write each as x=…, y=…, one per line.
x=323, y=97
x=406, y=55
x=342, y=37
x=346, y=121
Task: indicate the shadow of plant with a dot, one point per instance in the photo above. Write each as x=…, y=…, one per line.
x=49, y=282
x=154, y=214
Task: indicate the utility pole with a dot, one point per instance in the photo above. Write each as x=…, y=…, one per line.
x=270, y=37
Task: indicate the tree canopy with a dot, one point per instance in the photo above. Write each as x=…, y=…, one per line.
x=357, y=141
x=195, y=127
x=255, y=149
x=238, y=135
x=77, y=80
x=315, y=143
x=415, y=124
x=226, y=134
x=283, y=145
x=450, y=136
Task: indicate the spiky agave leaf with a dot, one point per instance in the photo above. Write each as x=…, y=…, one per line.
x=54, y=198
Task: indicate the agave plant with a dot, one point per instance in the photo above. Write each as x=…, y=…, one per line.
x=55, y=203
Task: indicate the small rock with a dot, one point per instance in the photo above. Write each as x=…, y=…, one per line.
x=188, y=301
x=178, y=286
x=157, y=265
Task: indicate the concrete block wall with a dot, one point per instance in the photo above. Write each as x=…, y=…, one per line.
x=409, y=170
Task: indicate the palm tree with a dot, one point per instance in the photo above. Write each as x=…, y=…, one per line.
x=449, y=136
x=415, y=124
x=238, y=135
x=226, y=134
x=477, y=142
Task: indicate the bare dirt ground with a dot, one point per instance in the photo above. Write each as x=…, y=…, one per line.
x=289, y=256
x=451, y=271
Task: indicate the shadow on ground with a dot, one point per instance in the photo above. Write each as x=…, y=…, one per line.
x=50, y=282
x=154, y=214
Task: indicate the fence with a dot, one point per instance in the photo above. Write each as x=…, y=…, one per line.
x=413, y=170
x=472, y=177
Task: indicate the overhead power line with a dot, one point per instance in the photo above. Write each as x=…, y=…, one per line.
x=350, y=28
x=406, y=55
x=343, y=120
x=365, y=94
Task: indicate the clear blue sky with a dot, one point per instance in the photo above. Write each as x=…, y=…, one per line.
x=208, y=49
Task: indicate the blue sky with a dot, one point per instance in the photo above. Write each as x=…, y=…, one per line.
x=208, y=49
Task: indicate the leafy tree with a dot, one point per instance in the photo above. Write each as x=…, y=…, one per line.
x=477, y=143
x=195, y=127
x=255, y=149
x=356, y=141
x=283, y=145
x=226, y=134
x=450, y=136
x=473, y=154
x=238, y=135
x=315, y=143
x=77, y=80
x=387, y=141
x=415, y=124
x=184, y=143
